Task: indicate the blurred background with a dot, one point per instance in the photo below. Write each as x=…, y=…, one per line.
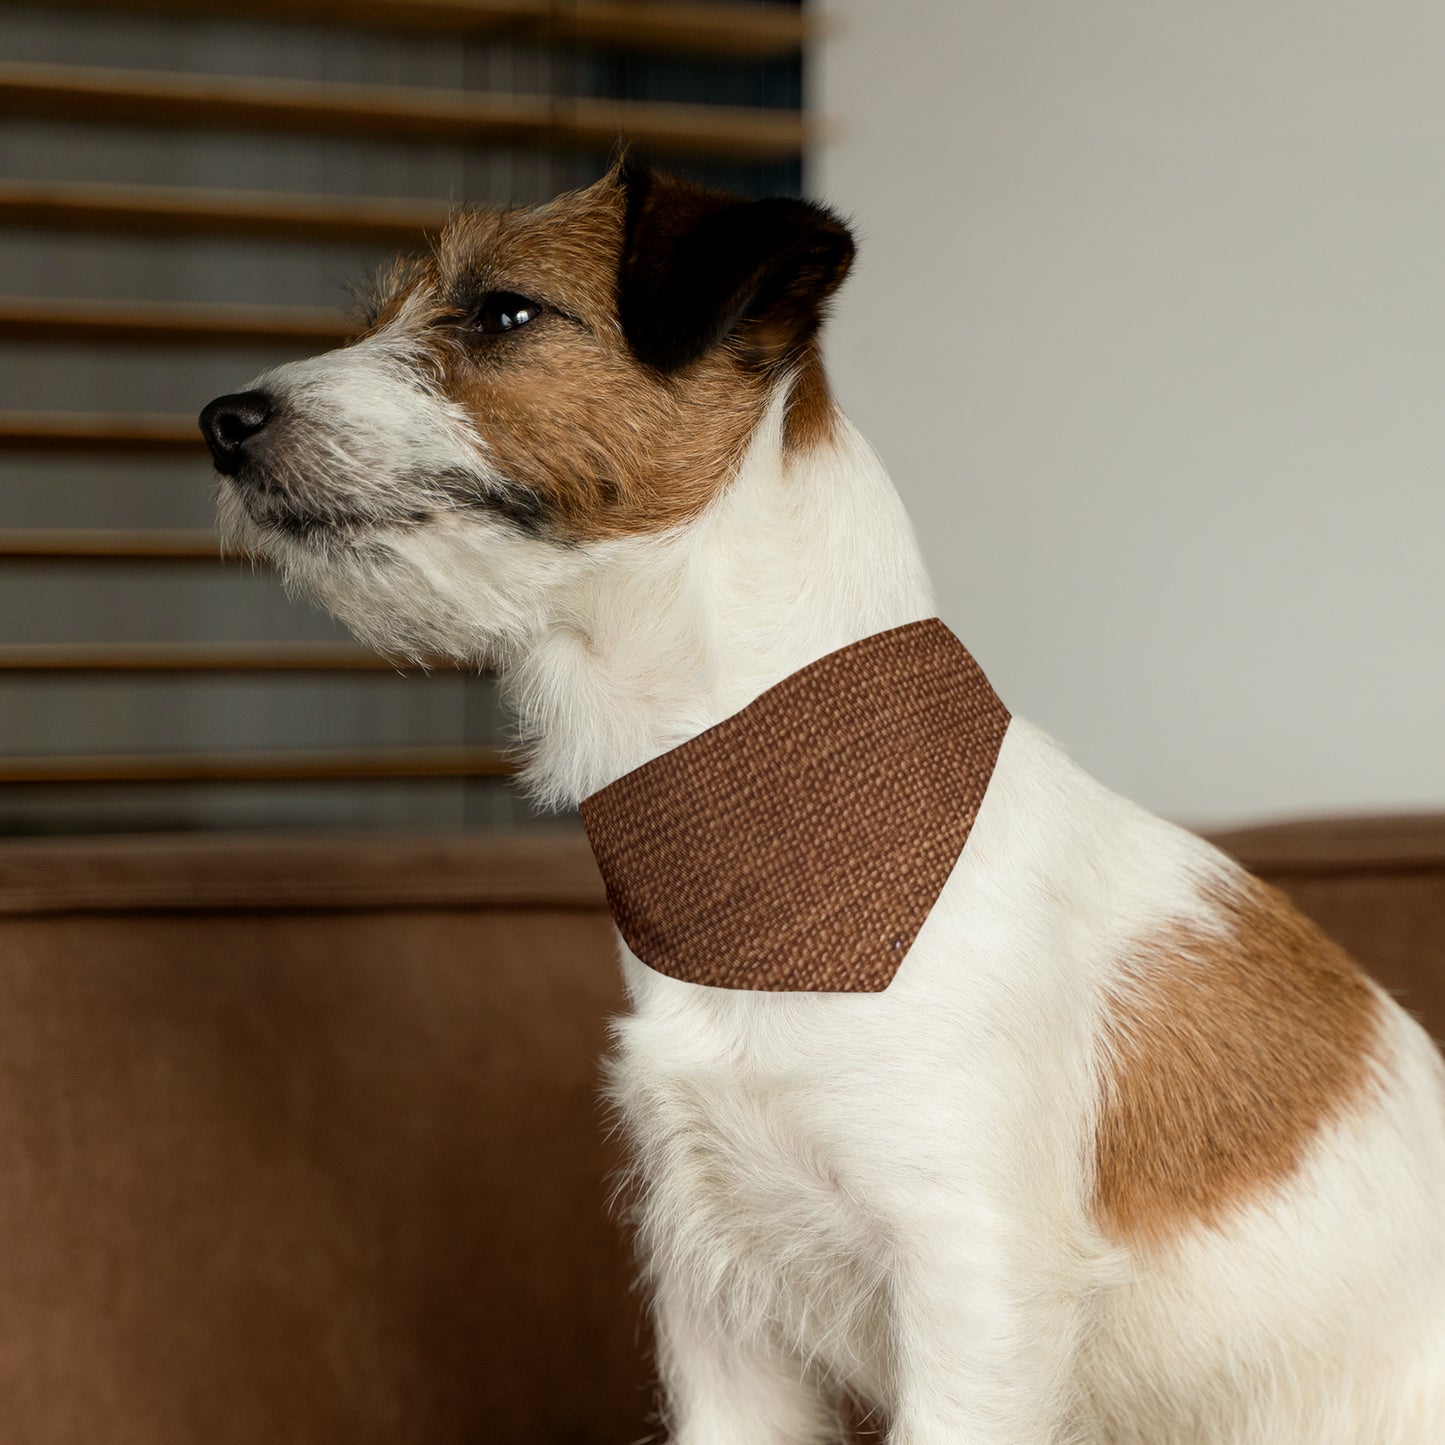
x=1149, y=324
x=1146, y=323
x=187, y=191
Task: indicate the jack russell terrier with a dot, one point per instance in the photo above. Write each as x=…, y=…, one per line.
x=956, y=1084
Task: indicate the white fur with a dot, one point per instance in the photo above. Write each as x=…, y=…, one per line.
x=890, y=1193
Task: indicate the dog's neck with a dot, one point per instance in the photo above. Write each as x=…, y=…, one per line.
x=803, y=554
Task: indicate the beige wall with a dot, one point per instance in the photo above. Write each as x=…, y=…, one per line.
x=1149, y=324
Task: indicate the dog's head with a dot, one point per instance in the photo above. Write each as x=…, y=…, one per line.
x=547, y=384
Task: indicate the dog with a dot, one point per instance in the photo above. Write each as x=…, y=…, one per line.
x=1126, y=1153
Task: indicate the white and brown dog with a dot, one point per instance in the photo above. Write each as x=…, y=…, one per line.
x=1127, y=1152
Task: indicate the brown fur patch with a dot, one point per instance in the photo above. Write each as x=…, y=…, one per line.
x=1227, y=1052
x=812, y=413
x=608, y=447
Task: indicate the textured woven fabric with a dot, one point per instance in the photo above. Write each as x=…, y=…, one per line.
x=799, y=844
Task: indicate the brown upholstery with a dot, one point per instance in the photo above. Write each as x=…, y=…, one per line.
x=300, y=1139
x=301, y=1143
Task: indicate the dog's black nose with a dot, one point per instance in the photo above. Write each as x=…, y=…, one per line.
x=229, y=422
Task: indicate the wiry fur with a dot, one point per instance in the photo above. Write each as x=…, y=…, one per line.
x=894, y=1194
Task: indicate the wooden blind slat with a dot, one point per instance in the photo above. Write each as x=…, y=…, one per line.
x=76, y=544
x=216, y=102
x=166, y=657
x=112, y=97
x=175, y=210
x=259, y=767
x=170, y=323
x=756, y=32
x=709, y=29
x=77, y=431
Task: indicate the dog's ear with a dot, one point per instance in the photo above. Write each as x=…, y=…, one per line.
x=699, y=266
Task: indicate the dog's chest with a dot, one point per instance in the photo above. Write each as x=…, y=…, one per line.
x=744, y=1184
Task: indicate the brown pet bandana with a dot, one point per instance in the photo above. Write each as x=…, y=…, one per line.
x=799, y=844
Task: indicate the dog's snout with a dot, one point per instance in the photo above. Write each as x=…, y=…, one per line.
x=229, y=422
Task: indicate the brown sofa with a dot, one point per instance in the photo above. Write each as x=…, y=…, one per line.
x=301, y=1140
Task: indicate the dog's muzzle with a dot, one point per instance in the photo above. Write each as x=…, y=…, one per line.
x=230, y=422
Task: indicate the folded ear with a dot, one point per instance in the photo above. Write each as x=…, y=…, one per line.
x=699, y=266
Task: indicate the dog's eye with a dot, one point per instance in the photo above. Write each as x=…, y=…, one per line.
x=504, y=311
